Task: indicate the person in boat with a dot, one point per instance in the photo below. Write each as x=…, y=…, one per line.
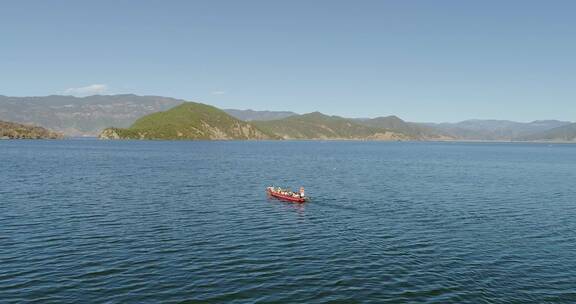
x=288, y=192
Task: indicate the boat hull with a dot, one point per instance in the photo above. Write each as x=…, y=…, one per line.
x=286, y=198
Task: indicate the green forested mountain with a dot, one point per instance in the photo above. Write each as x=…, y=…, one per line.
x=188, y=121
x=413, y=130
x=319, y=126
x=10, y=130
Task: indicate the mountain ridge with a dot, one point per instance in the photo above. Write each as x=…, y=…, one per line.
x=82, y=116
x=566, y=133
x=491, y=129
x=396, y=124
x=317, y=125
x=88, y=116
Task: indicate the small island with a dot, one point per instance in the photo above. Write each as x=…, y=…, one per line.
x=11, y=130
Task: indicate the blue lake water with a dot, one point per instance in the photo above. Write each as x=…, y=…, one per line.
x=87, y=221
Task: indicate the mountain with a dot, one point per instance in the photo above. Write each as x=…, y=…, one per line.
x=413, y=130
x=560, y=134
x=319, y=126
x=85, y=116
x=477, y=129
x=88, y=116
x=10, y=130
x=251, y=115
x=188, y=121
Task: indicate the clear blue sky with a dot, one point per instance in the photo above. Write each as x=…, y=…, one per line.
x=420, y=60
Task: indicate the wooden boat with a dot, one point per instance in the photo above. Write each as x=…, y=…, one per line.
x=287, y=195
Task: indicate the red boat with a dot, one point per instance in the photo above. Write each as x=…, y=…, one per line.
x=287, y=195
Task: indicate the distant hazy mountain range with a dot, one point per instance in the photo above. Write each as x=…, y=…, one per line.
x=563, y=133
x=251, y=115
x=129, y=116
x=86, y=116
x=496, y=129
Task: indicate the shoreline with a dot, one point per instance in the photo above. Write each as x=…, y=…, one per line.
x=327, y=140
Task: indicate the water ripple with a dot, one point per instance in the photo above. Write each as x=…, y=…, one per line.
x=188, y=222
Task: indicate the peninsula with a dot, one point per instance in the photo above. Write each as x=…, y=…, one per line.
x=10, y=130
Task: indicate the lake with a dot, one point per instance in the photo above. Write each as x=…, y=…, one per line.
x=90, y=221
